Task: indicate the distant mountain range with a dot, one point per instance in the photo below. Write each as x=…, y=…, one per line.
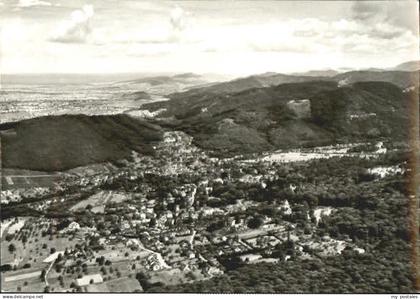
x=318, y=73
x=190, y=84
x=246, y=115
x=104, y=78
x=163, y=85
x=158, y=80
x=241, y=84
x=408, y=66
x=57, y=79
x=400, y=78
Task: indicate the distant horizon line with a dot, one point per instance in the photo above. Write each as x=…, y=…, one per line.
x=162, y=73
x=194, y=73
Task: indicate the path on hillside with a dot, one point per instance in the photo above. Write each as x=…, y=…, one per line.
x=4, y=226
x=192, y=239
x=46, y=273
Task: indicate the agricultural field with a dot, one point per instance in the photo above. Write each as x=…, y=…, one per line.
x=175, y=276
x=23, y=179
x=120, y=285
x=40, y=251
x=98, y=201
x=25, y=244
x=92, y=169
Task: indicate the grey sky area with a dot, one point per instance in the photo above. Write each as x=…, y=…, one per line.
x=226, y=37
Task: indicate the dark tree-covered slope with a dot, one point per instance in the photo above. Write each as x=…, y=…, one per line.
x=272, y=117
x=54, y=143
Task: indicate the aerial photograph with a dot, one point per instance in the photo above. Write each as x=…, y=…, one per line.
x=232, y=147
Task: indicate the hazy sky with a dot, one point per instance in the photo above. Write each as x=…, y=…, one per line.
x=233, y=37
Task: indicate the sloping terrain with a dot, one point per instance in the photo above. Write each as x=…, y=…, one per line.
x=241, y=84
x=137, y=95
x=408, y=66
x=55, y=143
x=158, y=80
x=269, y=118
x=163, y=85
x=318, y=73
x=402, y=79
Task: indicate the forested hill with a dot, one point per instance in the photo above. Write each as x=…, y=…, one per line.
x=290, y=115
x=53, y=143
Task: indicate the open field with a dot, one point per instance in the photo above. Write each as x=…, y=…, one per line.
x=99, y=200
x=175, y=276
x=252, y=234
x=32, y=251
x=16, y=226
x=22, y=276
x=124, y=285
x=4, y=225
x=119, y=285
x=121, y=252
x=29, y=284
x=19, y=178
x=170, y=277
x=92, y=169
x=117, y=270
x=321, y=152
x=23, y=178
